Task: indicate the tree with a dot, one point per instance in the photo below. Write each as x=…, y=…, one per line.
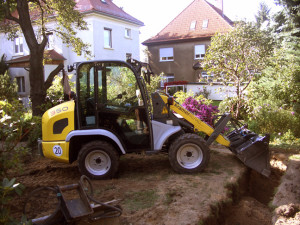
x=3, y=65
x=237, y=57
x=263, y=14
x=289, y=16
x=32, y=17
x=287, y=26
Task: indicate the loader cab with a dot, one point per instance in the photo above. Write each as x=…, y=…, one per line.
x=111, y=97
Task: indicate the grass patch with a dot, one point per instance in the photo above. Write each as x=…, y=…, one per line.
x=170, y=197
x=216, y=103
x=286, y=147
x=140, y=200
x=295, y=157
x=104, y=189
x=172, y=194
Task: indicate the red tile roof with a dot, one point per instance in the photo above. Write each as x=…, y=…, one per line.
x=106, y=7
x=179, y=28
x=49, y=55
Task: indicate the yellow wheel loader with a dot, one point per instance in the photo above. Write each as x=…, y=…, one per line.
x=113, y=115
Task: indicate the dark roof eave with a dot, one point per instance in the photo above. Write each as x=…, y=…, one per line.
x=140, y=23
x=171, y=41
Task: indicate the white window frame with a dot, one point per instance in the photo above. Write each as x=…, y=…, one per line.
x=107, y=39
x=166, y=54
x=179, y=87
x=127, y=32
x=199, y=51
x=165, y=79
x=205, y=23
x=50, y=43
x=206, y=76
x=21, y=84
x=19, y=46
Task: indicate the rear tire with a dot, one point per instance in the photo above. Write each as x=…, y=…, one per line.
x=98, y=160
x=189, y=154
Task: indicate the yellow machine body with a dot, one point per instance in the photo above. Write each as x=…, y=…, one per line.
x=57, y=123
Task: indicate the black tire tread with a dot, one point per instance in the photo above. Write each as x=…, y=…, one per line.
x=109, y=149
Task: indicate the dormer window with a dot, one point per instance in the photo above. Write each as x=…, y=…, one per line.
x=193, y=25
x=205, y=23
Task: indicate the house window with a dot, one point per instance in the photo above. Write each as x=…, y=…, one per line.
x=166, y=78
x=193, y=25
x=21, y=84
x=107, y=38
x=166, y=54
x=172, y=89
x=199, y=51
x=50, y=42
x=205, y=23
x=127, y=33
x=206, y=77
x=19, y=45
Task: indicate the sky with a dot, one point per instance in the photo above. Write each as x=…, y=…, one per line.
x=157, y=14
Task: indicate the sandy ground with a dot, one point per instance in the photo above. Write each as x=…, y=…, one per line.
x=287, y=198
x=150, y=192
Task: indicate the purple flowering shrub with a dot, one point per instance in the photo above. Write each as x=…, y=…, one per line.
x=201, y=110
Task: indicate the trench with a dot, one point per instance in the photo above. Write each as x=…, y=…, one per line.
x=249, y=201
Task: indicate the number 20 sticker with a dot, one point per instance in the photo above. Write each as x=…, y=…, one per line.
x=57, y=150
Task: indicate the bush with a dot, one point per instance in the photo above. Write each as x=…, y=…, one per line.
x=181, y=96
x=287, y=138
x=55, y=94
x=8, y=88
x=201, y=110
x=35, y=132
x=275, y=121
x=230, y=105
x=12, y=132
x=8, y=188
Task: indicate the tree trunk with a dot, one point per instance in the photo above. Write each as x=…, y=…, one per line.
x=36, y=76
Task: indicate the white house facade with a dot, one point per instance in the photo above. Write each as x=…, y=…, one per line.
x=112, y=34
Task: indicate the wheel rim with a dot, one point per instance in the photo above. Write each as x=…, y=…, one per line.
x=189, y=156
x=97, y=162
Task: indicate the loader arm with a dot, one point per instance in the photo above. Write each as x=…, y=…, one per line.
x=198, y=124
x=250, y=148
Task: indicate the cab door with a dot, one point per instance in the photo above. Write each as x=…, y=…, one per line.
x=110, y=98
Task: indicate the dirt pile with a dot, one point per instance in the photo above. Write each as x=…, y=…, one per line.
x=287, y=198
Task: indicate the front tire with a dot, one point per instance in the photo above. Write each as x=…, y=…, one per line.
x=189, y=154
x=98, y=160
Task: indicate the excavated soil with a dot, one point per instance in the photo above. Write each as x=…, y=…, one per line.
x=287, y=198
x=150, y=192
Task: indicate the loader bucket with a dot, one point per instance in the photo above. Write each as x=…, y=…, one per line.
x=252, y=150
